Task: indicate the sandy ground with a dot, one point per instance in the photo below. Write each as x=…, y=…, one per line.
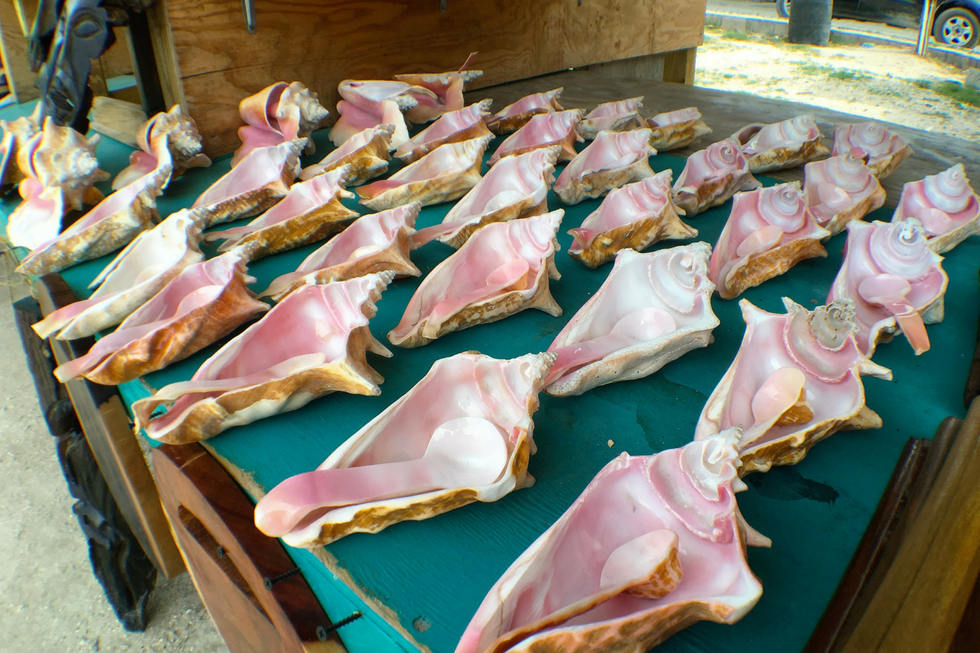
x=871, y=82
x=50, y=601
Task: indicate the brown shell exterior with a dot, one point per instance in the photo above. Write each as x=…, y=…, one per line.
x=627, y=122
x=245, y=205
x=196, y=330
x=676, y=136
x=504, y=126
x=714, y=192
x=788, y=157
x=474, y=131
x=444, y=188
x=366, y=162
x=522, y=209
x=888, y=165
x=636, y=235
x=756, y=269
x=839, y=222
x=597, y=184
x=317, y=224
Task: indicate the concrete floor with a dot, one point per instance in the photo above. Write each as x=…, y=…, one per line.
x=49, y=600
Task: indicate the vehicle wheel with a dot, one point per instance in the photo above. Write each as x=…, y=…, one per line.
x=782, y=8
x=957, y=27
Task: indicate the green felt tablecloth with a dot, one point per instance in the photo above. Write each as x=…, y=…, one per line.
x=435, y=573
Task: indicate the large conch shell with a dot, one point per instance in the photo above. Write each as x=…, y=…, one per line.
x=839, y=190
x=781, y=145
x=945, y=204
x=634, y=216
x=875, y=145
x=768, y=232
x=514, y=116
x=113, y=222
x=517, y=187
x=795, y=380
x=168, y=137
x=676, y=129
x=499, y=395
x=374, y=243
x=652, y=309
x=312, y=343
x=894, y=279
x=451, y=127
x=202, y=304
x=137, y=273
x=612, y=160
x=445, y=91
x=309, y=212
x=620, y=116
x=371, y=103
x=711, y=176
x=541, y=131
x=502, y=269
x=652, y=545
x=366, y=153
x=15, y=134
x=258, y=181
x=442, y=175
x=277, y=114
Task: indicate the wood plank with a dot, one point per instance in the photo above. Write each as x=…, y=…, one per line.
x=679, y=66
x=649, y=67
x=116, y=119
x=161, y=35
x=13, y=50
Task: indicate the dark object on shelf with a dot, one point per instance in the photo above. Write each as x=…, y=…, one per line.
x=973, y=377
x=809, y=22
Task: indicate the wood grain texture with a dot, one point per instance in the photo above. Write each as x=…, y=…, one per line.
x=13, y=48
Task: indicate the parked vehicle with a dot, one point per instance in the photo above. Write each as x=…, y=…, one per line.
x=956, y=23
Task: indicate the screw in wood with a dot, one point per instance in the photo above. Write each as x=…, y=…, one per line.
x=322, y=633
x=269, y=582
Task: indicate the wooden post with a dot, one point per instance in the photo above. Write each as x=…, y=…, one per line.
x=925, y=25
x=679, y=66
x=13, y=48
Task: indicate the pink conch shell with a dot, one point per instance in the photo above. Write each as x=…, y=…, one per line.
x=514, y=116
x=945, y=204
x=368, y=104
x=652, y=309
x=781, y=145
x=543, y=130
x=502, y=269
x=677, y=129
x=366, y=153
x=168, y=137
x=442, y=175
x=634, y=216
x=875, y=145
x=277, y=114
x=768, y=232
x=652, y=545
x=312, y=343
x=309, y=212
x=202, y=304
x=517, y=187
x=113, y=222
x=445, y=91
x=15, y=134
x=894, y=279
x=711, y=176
x=137, y=273
x=839, y=190
x=374, y=243
x=258, y=181
x=401, y=433
x=60, y=157
x=621, y=116
x=795, y=380
x=612, y=160
x=451, y=127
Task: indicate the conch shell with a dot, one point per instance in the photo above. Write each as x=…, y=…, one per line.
x=371, y=103
x=620, y=116
x=168, y=137
x=795, y=380
x=442, y=175
x=445, y=91
x=652, y=545
x=402, y=433
x=612, y=160
x=945, y=204
x=258, y=181
x=839, y=190
x=137, y=273
x=374, y=243
x=264, y=371
x=113, y=222
x=894, y=279
x=881, y=150
x=711, y=176
x=652, y=309
x=277, y=114
x=15, y=134
x=634, y=216
x=202, y=304
x=781, y=145
x=541, y=131
x=502, y=269
x=676, y=129
x=451, y=127
x=768, y=232
x=514, y=116
x=517, y=187
x=365, y=152
x=309, y=212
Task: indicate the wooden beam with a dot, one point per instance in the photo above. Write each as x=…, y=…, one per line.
x=679, y=66
x=13, y=50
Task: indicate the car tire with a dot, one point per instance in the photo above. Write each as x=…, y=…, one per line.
x=782, y=8
x=957, y=27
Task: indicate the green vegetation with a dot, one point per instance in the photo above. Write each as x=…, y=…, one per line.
x=953, y=90
x=732, y=35
x=841, y=74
